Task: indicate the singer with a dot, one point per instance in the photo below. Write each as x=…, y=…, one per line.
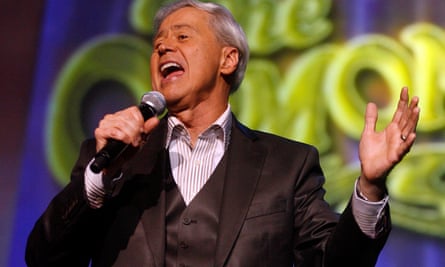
x=198, y=188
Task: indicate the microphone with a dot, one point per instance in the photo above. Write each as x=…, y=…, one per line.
x=152, y=104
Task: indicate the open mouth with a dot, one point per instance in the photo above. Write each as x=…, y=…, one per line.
x=170, y=68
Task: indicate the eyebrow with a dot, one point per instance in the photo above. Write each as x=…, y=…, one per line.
x=176, y=27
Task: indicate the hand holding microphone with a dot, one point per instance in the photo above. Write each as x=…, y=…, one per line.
x=117, y=131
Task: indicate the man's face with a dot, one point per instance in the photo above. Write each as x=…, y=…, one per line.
x=186, y=59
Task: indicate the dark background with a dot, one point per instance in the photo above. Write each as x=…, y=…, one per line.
x=19, y=28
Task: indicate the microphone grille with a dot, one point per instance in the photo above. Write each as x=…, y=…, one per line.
x=155, y=100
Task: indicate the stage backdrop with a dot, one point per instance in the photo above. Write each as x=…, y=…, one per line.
x=314, y=66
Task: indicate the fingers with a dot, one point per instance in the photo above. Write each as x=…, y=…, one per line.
x=150, y=124
x=126, y=126
x=408, y=116
x=413, y=119
x=402, y=105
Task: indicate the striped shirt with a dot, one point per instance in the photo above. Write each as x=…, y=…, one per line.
x=192, y=166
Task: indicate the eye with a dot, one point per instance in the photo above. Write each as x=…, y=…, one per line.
x=182, y=37
x=156, y=44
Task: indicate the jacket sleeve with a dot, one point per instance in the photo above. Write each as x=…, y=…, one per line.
x=324, y=238
x=67, y=231
x=314, y=220
x=349, y=246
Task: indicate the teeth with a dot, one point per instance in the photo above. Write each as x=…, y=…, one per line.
x=169, y=65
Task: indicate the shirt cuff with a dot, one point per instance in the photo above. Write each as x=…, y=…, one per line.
x=370, y=216
x=94, y=187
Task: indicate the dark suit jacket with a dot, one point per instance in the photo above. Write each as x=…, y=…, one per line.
x=272, y=214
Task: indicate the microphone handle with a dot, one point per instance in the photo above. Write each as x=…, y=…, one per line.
x=106, y=155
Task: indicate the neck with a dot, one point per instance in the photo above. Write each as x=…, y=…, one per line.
x=198, y=119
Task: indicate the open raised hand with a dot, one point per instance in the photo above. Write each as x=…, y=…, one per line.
x=379, y=152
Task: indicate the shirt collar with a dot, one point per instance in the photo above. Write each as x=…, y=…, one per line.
x=224, y=122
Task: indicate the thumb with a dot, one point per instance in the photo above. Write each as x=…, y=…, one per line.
x=370, y=118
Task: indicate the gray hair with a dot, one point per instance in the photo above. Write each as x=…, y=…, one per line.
x=227, y=31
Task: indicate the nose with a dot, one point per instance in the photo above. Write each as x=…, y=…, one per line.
x=162, y=48
x=165, y=46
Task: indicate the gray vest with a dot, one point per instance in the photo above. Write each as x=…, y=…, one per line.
x=192, y=231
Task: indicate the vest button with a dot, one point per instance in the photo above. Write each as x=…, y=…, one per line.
x=183, y=245
x=186, y=221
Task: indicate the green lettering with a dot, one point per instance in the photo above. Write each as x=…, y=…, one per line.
x=427, y=43
x=304, y=116
x=347, y=98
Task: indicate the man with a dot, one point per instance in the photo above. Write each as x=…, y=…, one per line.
x=204, y=190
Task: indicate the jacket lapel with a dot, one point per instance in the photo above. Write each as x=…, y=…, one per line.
x=153, y=221
x=151, y=163
x=245, y=165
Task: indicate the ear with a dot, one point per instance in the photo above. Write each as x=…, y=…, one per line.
x=229, y=60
